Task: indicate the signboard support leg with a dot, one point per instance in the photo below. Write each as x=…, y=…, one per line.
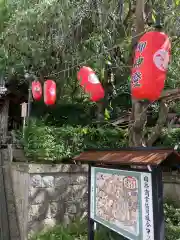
x=90, y=221
x=159, y=224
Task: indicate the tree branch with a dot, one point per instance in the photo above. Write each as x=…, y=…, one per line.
x=129, y=14
x=139, y=117
x=156, y=131
x=168, y=95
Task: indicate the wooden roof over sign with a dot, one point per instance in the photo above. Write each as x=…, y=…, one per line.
x=131, y=156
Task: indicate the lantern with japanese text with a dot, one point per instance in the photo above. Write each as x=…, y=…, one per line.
x=49, y=92
x=91, y=84
x=150, y=66
x=36, y=90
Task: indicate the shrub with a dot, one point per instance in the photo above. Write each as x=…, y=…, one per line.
x=43, y=142
x=170, y=137
x=172, y=216
x=46, y=142
x=172, y=232
x=78, y=229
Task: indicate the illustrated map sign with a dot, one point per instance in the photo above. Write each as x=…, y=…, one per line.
x=122, y=201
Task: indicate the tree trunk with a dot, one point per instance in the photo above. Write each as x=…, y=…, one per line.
x=137, y=123
x=138, y=115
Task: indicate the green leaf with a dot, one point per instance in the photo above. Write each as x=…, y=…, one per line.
x=154, y=16
x=106, y=114
x=177, y=2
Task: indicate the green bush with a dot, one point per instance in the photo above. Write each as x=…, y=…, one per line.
x=78, y=229
x=172, y=232
x=169, y=138
x=68, y=113
x=43, y=142
x=172, y=216
x=46, y=142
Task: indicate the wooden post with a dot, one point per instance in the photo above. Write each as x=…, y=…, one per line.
x=4, y=120
x=23, y=115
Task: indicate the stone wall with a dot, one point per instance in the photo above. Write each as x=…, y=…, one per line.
x=48, y=194
x=171, y=182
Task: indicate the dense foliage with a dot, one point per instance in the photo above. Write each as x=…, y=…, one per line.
x=78, y=229
x=46, y=142
x=43, y=142
x=172, y=222
x=51, y=39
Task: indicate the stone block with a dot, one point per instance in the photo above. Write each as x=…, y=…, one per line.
x=49, y=222
x=64, y=194
x=47, y=181
x=54, y=168
x=60, y=209
x=36, y=181
x=63, y=180
x=80, y=191
x=57, y=209
x=37, y=195
x=39, y=212
x=79, y=179
x=72, y=208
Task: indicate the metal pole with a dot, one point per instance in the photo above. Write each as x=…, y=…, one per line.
x=29, y=100
x=90, y=221
x=158, y=211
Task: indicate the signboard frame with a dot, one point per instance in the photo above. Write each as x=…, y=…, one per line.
x=156, y=193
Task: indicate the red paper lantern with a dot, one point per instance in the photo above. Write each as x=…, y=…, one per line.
x=49, y=92
x=150, y=66
x=90, y=83
x=36, y=90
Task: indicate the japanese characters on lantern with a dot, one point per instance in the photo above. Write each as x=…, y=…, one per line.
x=150, y=66
x=91, y=84
x=49, y=92
x=36, y=90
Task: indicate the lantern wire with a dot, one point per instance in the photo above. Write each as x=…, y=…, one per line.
x=96, y=55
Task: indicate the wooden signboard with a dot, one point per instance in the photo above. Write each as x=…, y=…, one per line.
x=125, y=190
x=122, y=201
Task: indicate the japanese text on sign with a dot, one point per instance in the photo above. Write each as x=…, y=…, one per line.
x=148, y=225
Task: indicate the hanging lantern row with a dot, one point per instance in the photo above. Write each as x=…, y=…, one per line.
x=148, y=74
x=150, y=66
x=88, y=81
x=49, y=91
